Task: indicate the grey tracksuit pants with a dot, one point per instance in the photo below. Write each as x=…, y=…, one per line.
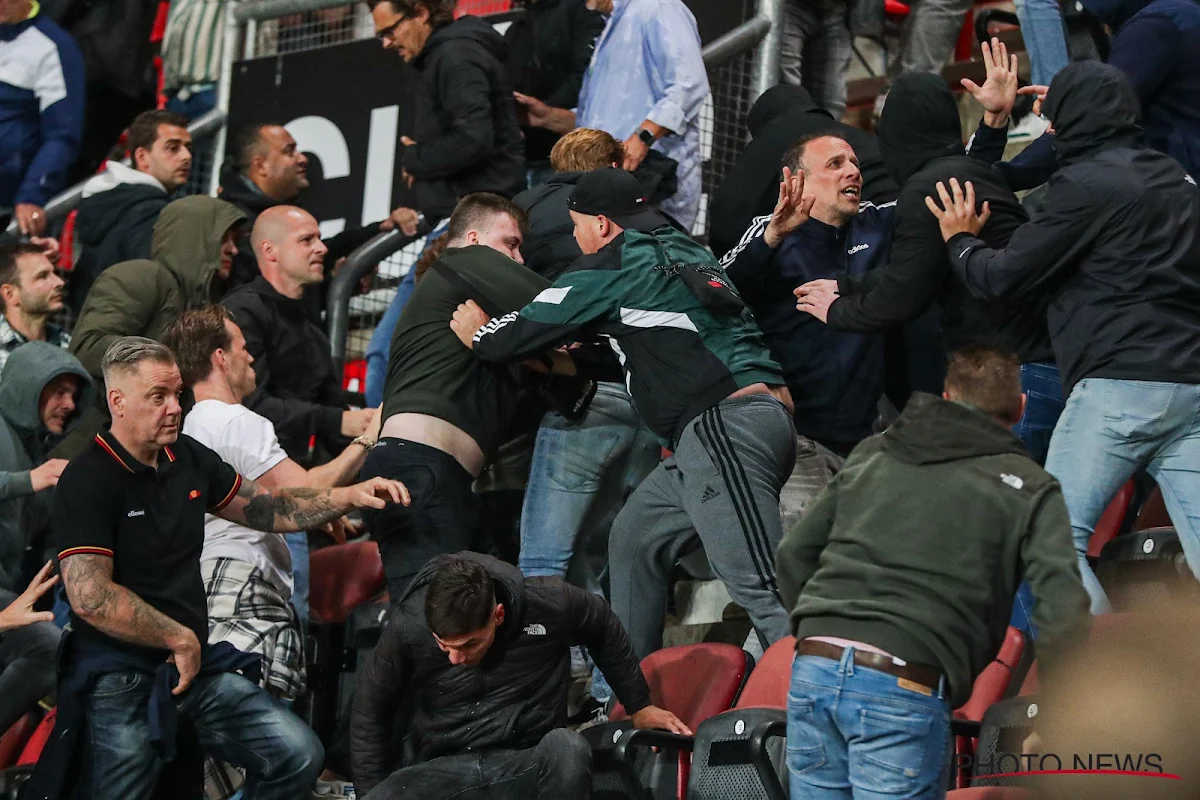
x=720, y=488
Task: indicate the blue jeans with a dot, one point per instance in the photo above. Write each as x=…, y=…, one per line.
x=234, y=720
x=380, y=346
x=297, y=545
x=1044, y=403
x=1045, y=38
x=1109, y=430
x=581, y=474
x=854, y=734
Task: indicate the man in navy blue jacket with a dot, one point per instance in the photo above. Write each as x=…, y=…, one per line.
x=819, y=229
x=41, y=111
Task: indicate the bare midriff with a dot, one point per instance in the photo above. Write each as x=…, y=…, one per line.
x=439, y=434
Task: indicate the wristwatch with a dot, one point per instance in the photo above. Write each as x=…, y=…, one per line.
x=646, y=136
x=364, y=441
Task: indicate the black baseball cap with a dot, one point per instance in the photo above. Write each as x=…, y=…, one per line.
x=616, y=194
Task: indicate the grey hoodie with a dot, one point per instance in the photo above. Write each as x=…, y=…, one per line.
x=23, y=445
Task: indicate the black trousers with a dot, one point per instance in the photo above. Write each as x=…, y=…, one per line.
x=443, y=518
x=559, y=767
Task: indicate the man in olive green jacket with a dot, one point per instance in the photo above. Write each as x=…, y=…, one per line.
x=191, y=255
x=901, y=579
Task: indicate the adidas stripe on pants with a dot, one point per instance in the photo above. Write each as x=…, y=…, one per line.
x=720, y=488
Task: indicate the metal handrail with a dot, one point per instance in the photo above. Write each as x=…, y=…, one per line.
x=733, y=44
x=341, y=288
x=69, y=199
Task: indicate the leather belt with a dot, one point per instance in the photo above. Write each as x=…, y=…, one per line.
x=928, y=677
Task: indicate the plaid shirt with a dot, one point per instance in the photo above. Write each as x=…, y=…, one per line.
x=11, y=339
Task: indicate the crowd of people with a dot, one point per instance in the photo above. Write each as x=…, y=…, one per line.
x=887, y=399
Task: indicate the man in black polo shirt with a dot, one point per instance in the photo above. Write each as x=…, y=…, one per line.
x=129, y=528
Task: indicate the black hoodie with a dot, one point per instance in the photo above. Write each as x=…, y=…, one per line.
x=1114, y=246
x=513, y=698
x=781, y=116
x=467, y=135
x=919, y=543
x=920, y=136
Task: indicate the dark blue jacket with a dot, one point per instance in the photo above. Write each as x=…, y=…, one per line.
x=835, y=378
x=41, y=109
x=1157, y=46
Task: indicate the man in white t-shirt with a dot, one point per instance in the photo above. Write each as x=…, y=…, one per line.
x=248, y=574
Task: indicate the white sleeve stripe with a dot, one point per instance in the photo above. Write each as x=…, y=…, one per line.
x=757, y=226
x=496, y=324
x=865, y=204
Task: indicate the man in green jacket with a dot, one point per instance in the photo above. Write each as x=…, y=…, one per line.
x=901, y=579
x=702, y=380
x=191, y=256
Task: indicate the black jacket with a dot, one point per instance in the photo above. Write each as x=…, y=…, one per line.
x=113, y=226
x=921, y=139
x=549, y=49
x=467, y=135
x=781, y=116
x=1114, y=245
x=299, y=390
x=249, y=198
x=517, y=694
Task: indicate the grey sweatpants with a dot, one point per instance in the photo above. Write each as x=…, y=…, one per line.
x=27, y=665
x=817, y=31
x=929, y=36
x=720, y=488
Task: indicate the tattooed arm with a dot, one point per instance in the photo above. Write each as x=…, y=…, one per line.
x=114, y=610
x=302, y=509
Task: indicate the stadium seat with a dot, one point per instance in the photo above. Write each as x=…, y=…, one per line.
x=694, y=682
x=991, y=686
x=342, y=578
x=1112, y=521
x=1153, y=513
x=1146, y=569
x=32, y=750
x=14, y=739
x=736, y=753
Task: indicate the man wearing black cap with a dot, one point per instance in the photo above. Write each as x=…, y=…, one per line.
x=703, y=381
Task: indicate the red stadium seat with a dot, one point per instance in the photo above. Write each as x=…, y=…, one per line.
x=343, y=577
x=767, y=686
x=1112, y=521
x=15, y=738
x=1153, y=513
x=33, y=748
x=991, y=686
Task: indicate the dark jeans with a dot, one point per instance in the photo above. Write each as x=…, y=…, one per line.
x=443, y=517
x=234, y=720
x=1044, y=403
x=560, y=766
x=27, y=661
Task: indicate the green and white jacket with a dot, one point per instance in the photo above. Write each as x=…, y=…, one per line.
x=679, y=358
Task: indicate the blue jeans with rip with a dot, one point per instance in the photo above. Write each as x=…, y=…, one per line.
x=1109, y=430
x=1045, y=38
x=854, y=733
x=234, y=721
x=1042, y=385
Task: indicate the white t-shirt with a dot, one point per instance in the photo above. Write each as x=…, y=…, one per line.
x=247, y=442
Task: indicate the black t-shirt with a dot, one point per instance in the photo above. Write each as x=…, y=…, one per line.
x=149, y=521
x=429, y=370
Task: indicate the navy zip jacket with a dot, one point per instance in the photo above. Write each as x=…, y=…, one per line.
x=835, y=378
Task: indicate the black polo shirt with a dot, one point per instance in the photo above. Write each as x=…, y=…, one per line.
x=149, y=521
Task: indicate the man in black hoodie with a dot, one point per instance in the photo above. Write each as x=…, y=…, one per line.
x=778, y=119
x=897, y=610
x=1116, y=251
x=485, y=652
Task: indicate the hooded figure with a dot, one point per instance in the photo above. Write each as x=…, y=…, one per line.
x=468, y=139
x=23, y=446
x=780, y=117
x=1155, y=46
x=920, y=136
x=115, y=223
x=145, y=297
x=1115, y=246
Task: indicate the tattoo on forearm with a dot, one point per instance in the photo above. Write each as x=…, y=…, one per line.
x=110, y=608
x=289, y=509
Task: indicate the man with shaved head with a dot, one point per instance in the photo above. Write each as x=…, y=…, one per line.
x=299, y=389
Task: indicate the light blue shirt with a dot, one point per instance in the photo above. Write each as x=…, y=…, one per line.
x=647, y=65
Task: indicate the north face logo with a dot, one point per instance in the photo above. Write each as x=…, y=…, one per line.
x=709, y=494
x=536, y=629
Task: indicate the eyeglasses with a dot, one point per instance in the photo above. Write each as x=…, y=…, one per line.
x=390, y=29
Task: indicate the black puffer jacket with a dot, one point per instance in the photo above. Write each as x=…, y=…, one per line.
x=467, y=135
x=920, y=136
x=549, y=50
x=517, y=694
x=1116, y=244
x=298, y=388
x=776, y=121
